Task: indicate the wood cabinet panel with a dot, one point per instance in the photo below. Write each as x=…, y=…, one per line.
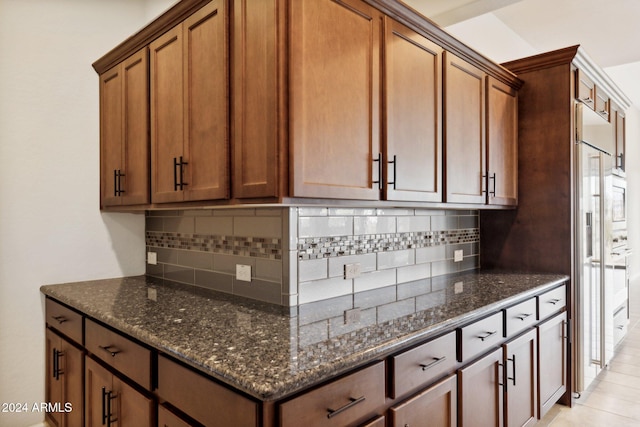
x=258, y=107
x=167, y=111
x=413, y=106
x=97, y=381
x=64, y=384
x=585, y=89
x=206, y=99
x=480, y=396
x=464, y=131
x=334, y=98
x=131, y=407
x=551, y=302
x=437, y=404
x=111, y=121
x=63, y=319
x=478, y=337
x=348, y=401
x=502, y=144
x=166, y=418
x=520, y=317
x=552, y=362
x=618, y=118
x=121, y=353
x=521, y=380
x=602, y=104
x=203, y=399
x=422, y=365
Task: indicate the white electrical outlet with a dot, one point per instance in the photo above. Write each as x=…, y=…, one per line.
x=352, y=315
x=351, y=271
x=458, y=255
x=152, y=294
x=458, y=287
x=152, y=258
x=243, y=272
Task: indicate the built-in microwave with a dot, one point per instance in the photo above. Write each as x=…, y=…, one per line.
x=619, y=202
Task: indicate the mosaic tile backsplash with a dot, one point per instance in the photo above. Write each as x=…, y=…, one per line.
x=298, y=254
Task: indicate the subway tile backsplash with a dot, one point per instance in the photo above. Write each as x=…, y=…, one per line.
x=298, y=254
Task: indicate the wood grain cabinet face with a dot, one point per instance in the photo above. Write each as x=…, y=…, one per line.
x=413, y=107
x=348, y=401
x=190, y=109
x=502, y=144
x=335, y=60
x=480, y=395
x=437, y=404
x=64, y=384
x=585, y=89
x=124, y=125
x=521, y=380
x=464, y=131
x=552, y=362
x=110, y=401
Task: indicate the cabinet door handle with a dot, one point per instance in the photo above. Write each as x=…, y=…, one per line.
x=513, y=359
x=493, y=177
x=110, y=397
x=379, y=181
x=104, y=406
x=110, y=349
x=554, y=301
x=115, y=182
x=621, y=163
x=353, y=402
x=436, y=360
x=60, y=319
x=56, y=363
x=182, y=183
x=393, y=162
x=487, y=335
x=524, y=316
x=175, y=174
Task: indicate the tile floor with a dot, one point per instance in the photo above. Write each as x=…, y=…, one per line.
x=614, y=397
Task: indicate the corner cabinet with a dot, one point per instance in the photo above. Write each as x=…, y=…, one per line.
x=276, y=101
x=190, y=109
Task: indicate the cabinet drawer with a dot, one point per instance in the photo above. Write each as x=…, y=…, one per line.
x=520, y=317
x=166, y=418
x=422, y=365
x=120, y=352
x=480, y=336
x=552, y=302
x=350, y=400
x=203, y=399
x=64, y=319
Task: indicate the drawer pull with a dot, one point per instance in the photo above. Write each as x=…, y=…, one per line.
x=111, y=350
x=554, y=301
x=524, y=316
x=621, y=327
x=487, y=335
x=436, y=360
x=60, y=319
x=353, y=402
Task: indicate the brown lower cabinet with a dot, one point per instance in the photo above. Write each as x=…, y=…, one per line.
x=552, y=362
x=64, y=385
x=112, y=402
x=437, y=404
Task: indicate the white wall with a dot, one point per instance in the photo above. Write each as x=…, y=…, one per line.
x=51, y=229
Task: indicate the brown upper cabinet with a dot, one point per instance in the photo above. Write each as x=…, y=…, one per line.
x=276, y=101
x=190, y=109
x=618, y=119
x=124, y=132
x=413, y=107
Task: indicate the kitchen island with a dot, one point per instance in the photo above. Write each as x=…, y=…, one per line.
x=269, y=353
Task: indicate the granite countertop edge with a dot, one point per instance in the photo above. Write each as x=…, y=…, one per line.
x=278, y=389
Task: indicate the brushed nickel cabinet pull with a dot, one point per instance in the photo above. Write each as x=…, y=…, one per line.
x=353, y=402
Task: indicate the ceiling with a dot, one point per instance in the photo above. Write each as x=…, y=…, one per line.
x=504, y=30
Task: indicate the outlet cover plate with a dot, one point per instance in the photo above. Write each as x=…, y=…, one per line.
x=458, y=255
x=243, y=272
x=152, y=258
x=351, y=271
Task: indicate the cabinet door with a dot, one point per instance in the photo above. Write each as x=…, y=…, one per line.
x=552, y=362
x=206, y=95
x=464, y=131
x=131, y=407
x=64, y=381
x=502, y=143
x=98, y=383
x=413, y=154
x=438, y=404
x=619, y=120
x=167, y=106
x=480, y=396
x=334, y=99
x=257, y=104
x=111, y=135
x=134, y=181
x=520, y=382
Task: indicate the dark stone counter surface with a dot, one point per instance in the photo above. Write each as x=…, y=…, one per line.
x=271, y=352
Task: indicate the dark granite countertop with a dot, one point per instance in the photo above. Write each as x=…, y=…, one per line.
x=270, y=352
